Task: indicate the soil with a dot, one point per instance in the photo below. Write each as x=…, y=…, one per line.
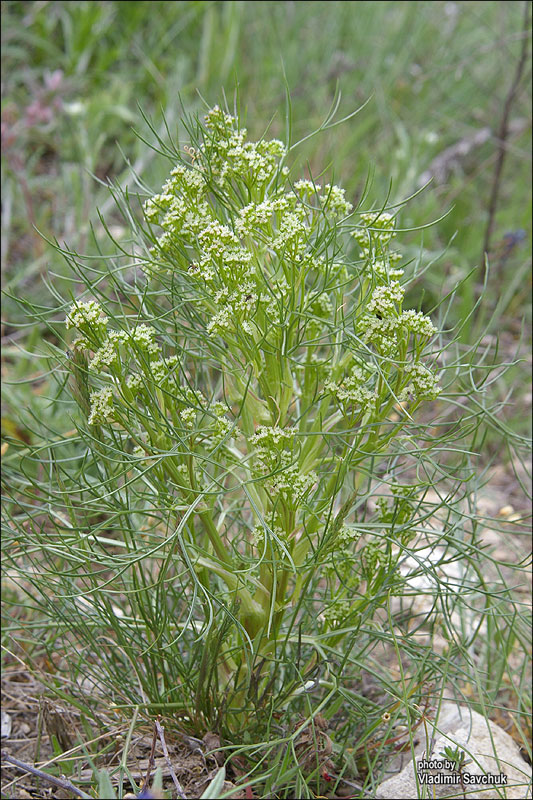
x=35, y=722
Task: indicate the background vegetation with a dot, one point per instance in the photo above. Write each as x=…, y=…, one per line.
x=440, y=78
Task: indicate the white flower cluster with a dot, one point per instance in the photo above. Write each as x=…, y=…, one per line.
x=186, y=215
x=290, y=480
x=194, y=402
x=101, y=406
x=212, y=250
x=423, y=385
x=383, y=323
x=190, y=224
x=230, y=263
x=266, y=436
x=217, y=120
x=134, y=382
x=193, y=397
x=257, y=535
x=270, y=447
x=215, y=238
x=375, y=234
x=164, y=370
x=89, y=320
x=86, y=316
x=183, y=472
x=108, y=353
x=373, y=556
x=259, y=215
x=293, y=234
x=144, y=338
x=192, y=179
x=337, y=612
x=162, y=373
x=417, y=322
x=381, y=222
x=222, y=425
x=347, y=536
x=384, y=299
x=306, y=188
x=188, y=417
x=382, y=333
x=237, y=306
x=385, y=270
x=182, y=194
x=335, y=202
x=352, y=389
x=230, y=155
x=221, y=321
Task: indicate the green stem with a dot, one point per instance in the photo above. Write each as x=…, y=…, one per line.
x=253, y=614
x=214, y=536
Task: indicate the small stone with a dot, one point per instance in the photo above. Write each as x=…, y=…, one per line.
x=212, y=743
x=488, y=748
x=6, y=725
x=506, y=511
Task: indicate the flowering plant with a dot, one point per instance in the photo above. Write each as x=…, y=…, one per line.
x=275, y=372
x=266, y=465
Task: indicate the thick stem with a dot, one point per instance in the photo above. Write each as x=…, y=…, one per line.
x=214, y=536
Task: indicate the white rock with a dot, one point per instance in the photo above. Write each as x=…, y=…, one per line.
x=490, y=749
x=6, y=725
